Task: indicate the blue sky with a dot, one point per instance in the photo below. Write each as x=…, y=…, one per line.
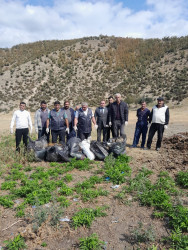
x=23, y=21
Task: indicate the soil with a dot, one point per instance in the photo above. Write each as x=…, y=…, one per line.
x=115, y=229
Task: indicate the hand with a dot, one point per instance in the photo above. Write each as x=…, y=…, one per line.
x=36, y=130
x=126, y=123
x=47, y=130
x=96, y=126
x=107, y=126
x=67, y=130
x=75, y=128
x=149, y=124
x=165, y=127
x=110, y=124
x=11, y=131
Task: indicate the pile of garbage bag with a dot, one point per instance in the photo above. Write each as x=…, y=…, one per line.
x=75, y=148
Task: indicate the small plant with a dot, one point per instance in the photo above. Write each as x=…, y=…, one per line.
x=8, y=185
x=63, y=201
x=91, y=243
x=65, y=190
x=140, y=234
x=177, y=240
x=44, y=244
x=182, y=179
x=16, y=244
x=6, y=201
x=85, y=216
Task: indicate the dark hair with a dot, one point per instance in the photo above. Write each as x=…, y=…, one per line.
x=110, y=97
x=43, y=102
x=142, y=101
x=23, y=103
x=56, y=102
x=66, y=102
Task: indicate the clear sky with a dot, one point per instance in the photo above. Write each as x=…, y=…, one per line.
x=23, y=21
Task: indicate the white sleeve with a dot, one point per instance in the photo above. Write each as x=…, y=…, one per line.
x=13, y=120
x=29, y=120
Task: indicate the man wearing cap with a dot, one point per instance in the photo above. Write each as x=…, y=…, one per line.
x=143, y=115
x=59, y=123
x=101, y=115
x=82, y=121
x=160, y=119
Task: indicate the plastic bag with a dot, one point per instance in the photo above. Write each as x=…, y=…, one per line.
x=40, y=155
x=75, y=150
x=99, y=149
x=57, y=154
x=117, y=146
x=37, y=145
x=85, y=146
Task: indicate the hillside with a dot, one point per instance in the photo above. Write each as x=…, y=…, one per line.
x=93, y=68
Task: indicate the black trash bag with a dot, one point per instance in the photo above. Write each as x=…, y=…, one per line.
x=74, y=149
x=37, y=145
x=57, y=154
x=117, y=146
x=99, y=149
x=40, y=155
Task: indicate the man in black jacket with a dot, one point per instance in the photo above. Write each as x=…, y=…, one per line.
x=109, y=128
x=101, y=115
x=118, y=116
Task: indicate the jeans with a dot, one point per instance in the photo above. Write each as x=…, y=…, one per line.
x=155, y=127
x=117, y=127
x=141, y=129
x=23, y=132
x=43, y=132
x=56, y=134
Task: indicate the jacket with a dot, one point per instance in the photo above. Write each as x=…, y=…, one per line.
x=160, y=115
x=84, y=122
x=70, y=119
x=101, y=117
x=38, y=122
x=123, y=112
x=57, y=121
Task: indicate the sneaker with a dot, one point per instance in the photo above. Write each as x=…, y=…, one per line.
x=157, y=149
x=146, y=148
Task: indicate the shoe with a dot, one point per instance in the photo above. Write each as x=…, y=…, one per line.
x=132, y=146
x=157, y=149
x=142, y=147
x=146, y=148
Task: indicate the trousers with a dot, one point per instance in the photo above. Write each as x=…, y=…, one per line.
x=43, y=132
x=58, y=133
x=100, y=129
x=22, y=132
x=141, y=129
x=117, y=127
x=155, y=127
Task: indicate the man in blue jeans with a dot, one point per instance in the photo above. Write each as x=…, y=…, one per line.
x=143, y=115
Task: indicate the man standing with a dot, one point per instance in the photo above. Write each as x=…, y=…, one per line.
x=70, y=116
x=101, y=115
x=41, y=116
x=143, y=115
x=160, y=119
x=23, y=121
x=59, y=123
x=118, y=116
x=109, y=128
x=82, y=121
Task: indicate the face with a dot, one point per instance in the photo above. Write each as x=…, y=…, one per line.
x=43, y=106
x=160, y=103
x=102, y=104
x=111, y=100
x=118, y=98
x=22, y=107
x=66, y=105
x=143, y=105
x=57, y=107
x=84, y=108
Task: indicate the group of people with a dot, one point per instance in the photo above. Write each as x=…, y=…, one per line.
x=64, y=122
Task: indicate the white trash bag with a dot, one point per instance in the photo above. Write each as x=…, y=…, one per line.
x=85, y=146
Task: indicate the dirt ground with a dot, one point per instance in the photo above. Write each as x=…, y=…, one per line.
x=115, y=228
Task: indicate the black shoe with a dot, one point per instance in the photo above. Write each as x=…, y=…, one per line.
x=146, y=148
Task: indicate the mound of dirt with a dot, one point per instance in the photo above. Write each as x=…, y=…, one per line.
x=178, y=141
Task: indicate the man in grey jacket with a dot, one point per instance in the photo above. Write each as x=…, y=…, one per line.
x=41, y=116
x=101, y=115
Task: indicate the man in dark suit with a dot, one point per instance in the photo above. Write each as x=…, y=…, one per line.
x=118, y=116
x=109, y=128
x=101, y=115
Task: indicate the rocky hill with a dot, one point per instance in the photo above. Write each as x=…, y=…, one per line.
x=93, y=68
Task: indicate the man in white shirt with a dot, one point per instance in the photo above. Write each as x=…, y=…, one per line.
x=160, y=118
x=23, y=122
x=83, y=118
